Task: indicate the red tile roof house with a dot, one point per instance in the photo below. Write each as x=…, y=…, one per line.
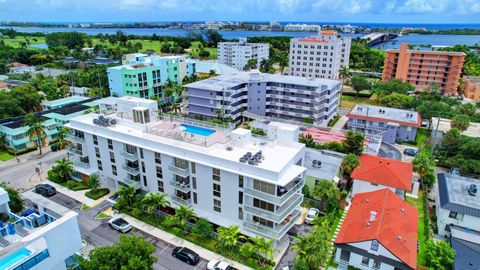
x=375, y=173
x=379, y=232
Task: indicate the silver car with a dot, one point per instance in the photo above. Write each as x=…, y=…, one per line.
x=311, y=215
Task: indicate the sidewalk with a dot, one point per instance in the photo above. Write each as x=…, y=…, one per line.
x=26, y=157
x=176, y=241
x=77, y=195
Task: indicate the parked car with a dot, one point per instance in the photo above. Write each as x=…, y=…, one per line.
x=311, y=215
x=410, y=152
x=455, y=171
x=186, y=255
x=45, y=190
x=119, y=224
x=219, y=265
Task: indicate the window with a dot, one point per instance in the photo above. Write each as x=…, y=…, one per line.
x=99, y=164
x=365, y=260
x=373, y=184
x=158, y=160
x=194, y=182
x=159, y=172
x=95, y=140
x=263, y=222
x=216, y=174
x=160, y=186
x=264, y=187
x=263, y=205
x=110, y=144
x=195, y=200
x=455, y=215
x=114, y=170
x=194, y=168
x=216, y=190
x=217, y=205
x=240, y=213
x=374, y=245
x=240, y=197
x=97, y=152
x=112, y=157
x=143, y=167
x=240, y=181
x=144, y=180
x=141, y=152
x=377, y=264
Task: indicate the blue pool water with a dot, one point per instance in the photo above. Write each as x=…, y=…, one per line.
x=197, y=130
x=14, y=258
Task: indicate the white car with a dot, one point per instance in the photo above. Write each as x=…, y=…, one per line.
x=311, y=215
x=120, y=224
x=219, y=265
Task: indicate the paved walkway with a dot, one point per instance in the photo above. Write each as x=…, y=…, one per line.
x=174, y=240
x=77, y=195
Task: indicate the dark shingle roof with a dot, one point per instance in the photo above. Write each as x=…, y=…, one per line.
x=453, y=193
x=467, y=255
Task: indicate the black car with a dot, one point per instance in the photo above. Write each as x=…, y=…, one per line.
x=45, y=190
x=186, y=255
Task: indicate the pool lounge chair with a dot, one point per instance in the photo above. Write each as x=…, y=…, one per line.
x=20, y=230
x=3, y=242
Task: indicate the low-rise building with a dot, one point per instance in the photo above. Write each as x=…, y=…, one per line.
x=45, y=237
x=14, y=130
x=226, y=175
x=392, y=124
x=79, y=91
x=375, y=173
x=466, y=244
x=61, y=102
x=263, y=94
x=440, y=126
x=302, y=27
x=457, y=203
x=471, y=87
x=237, y=54
x=322, y=165
x=380, y=231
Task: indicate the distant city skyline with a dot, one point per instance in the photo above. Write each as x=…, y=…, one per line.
x=340, y=11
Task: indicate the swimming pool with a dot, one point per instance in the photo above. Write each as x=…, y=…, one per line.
x=197, y=130
x=14, y=258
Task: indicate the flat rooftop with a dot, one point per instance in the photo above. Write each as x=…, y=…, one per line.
x=63, y=101
x=429, y=52
x=473, y=79
x=329, y=166
x=227, y=81
x=444, y=125
x=385, y=114
x=454, y=196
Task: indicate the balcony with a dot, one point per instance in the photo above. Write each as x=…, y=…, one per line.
x=76, y=151
x=183, y=187
x=131, y=170
x=280, y=214
x=129, y=156
x=274, y=233
x=81, y=164
x=181, y=201
x=73, y=138
x=131, y=182
x=278, y=200
x=183, y=172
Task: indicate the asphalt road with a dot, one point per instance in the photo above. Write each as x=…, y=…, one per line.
x=98, y=233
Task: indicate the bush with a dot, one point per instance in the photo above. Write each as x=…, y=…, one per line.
x=97, y=193
x=16, y=202
x=308, y=120
x=53, y=176
x=360, y=95
x=259, y=131
x=74, y=185
x=21, y=152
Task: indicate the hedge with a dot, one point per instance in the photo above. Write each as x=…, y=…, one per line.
x=360, y=95
x=98, y=193
x=21, y=152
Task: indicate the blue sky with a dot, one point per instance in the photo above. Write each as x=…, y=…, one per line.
x=382, y=11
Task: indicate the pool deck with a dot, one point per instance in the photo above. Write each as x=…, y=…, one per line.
x=174, y=130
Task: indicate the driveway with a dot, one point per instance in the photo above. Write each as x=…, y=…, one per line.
x=98, y=233
x=389, y=151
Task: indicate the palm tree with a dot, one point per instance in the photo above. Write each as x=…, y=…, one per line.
x=3, y=141
x=94, y=182
x=182, y=215
x=345, y=74
x=312, y=249
x=35, y=129
x=127, y=194
x=423, y=164
x=212, y=73
x=229, y=236
x=62, y=143
x=349, y=163
x=176, y=107
x=327, y=193
x=154, y=201
x=264, y=248
x=379, y=93
x=64, y=168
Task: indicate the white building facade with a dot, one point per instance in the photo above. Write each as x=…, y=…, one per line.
x=237, y=54
x=197, y=166
x=321, y=56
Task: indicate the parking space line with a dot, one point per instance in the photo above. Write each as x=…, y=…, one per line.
x=165, y=248
x=200, y=264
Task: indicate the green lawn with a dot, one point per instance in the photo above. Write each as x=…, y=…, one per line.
x=18, y=40
x=4, y=155
x=417, y=203
x=349, y=102
x=102, y=216
x=84, y=207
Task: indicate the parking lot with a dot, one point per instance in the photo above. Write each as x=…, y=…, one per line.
x=99, y=233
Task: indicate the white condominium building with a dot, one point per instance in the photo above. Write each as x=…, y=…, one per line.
x=229, y=177
x=237, y=54
x=319, y=56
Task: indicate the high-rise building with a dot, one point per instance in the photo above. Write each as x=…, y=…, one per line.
x=263, y=94
x=45, y=238
x=471, y=87
x=225, y=175
x=237, y=54
x=320, y=56
x=144, y=76
x=424, y=69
